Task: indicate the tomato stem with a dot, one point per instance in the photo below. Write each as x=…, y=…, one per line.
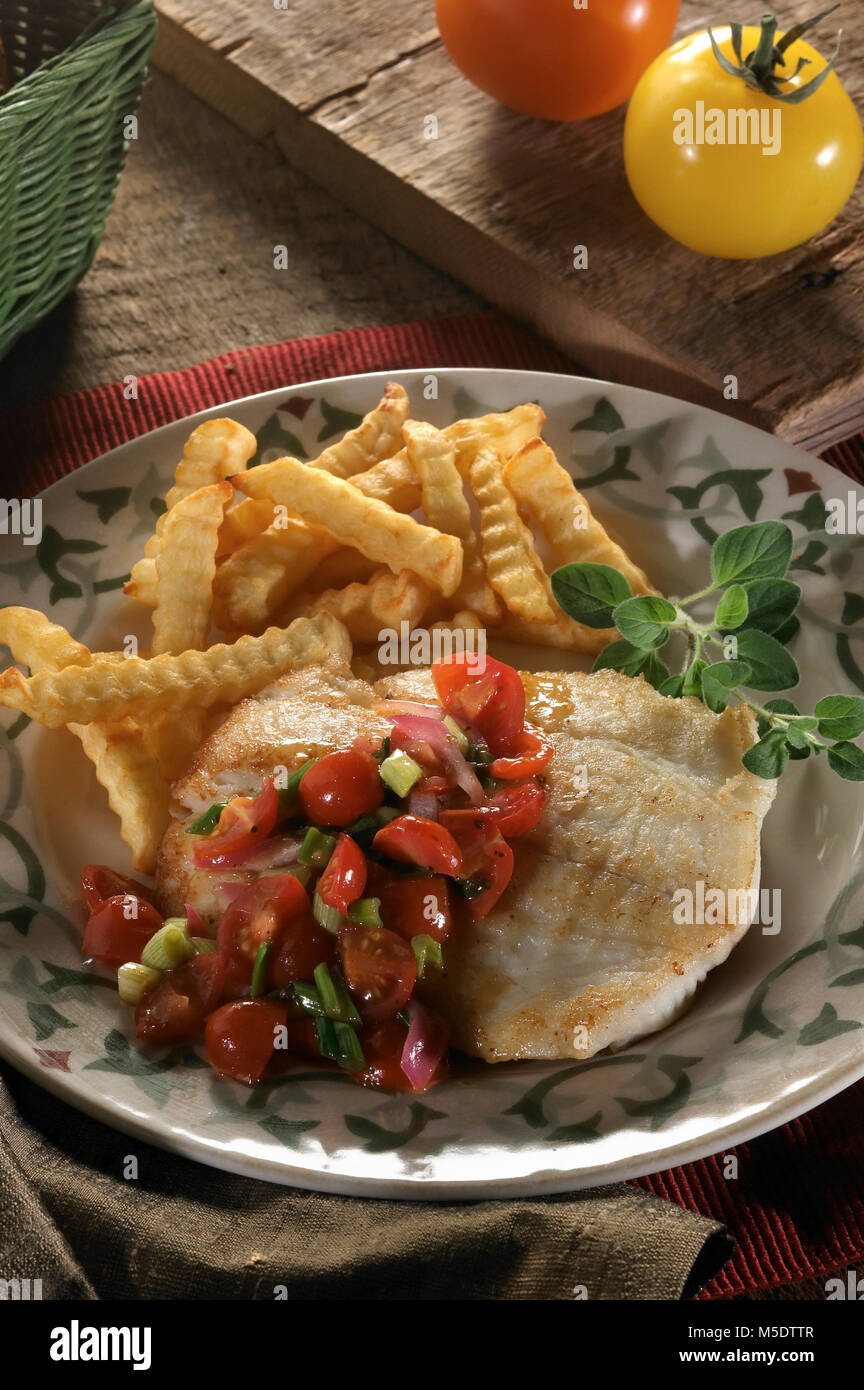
x=758, y=68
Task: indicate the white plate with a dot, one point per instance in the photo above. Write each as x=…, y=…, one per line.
x=776, y=1030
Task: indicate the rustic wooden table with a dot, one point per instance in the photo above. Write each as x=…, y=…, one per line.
x=185, y=268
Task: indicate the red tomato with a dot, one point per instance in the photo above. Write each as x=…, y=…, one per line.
x=498, y=869
x=98, y=882
x=341, y=787
x=414, y=906
x=415, y=840
x=244, y=823
x=516, y=810
x=119, y=929
x=382, y=1048
x=258, y=914
x=550, y=59
x=241, y=1037
x=176, y=1008
x=380, y=969
x=486, y=694
x=529, y=755
x=299, y=947
x=344, y=878
x=301, y=1040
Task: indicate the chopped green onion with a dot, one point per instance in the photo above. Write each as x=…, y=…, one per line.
x=168, y=947
x=453, y=727
x=399, y=772
x=210, y=819
x=339, y=1042
x=202, y=945
x=350, y=1052
x=471, y=887
x=288, y=794
x=366, y=911
x=316, y=848
x=259, y=969
x=365, y=828
x=308, y=998
x=134, y=980
x=402, y=1015
x=330, y=918
x=336, y=1000
x=298, y=871
x=384, y=751
x=477, y=754
x=427, y=952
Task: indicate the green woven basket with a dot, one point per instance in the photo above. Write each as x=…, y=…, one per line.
x=77, y=68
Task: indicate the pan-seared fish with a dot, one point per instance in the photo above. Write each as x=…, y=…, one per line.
x=647, y=797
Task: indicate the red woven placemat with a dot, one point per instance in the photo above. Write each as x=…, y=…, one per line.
x=796, y=1207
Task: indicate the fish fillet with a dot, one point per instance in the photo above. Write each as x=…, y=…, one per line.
x=646, y=797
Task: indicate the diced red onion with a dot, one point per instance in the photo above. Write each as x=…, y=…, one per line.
x=195, y=922
x=272, y=854
x=425, y=1045
x=423, y=803
x=397, y=707
x=231, y=889
x=445, y=748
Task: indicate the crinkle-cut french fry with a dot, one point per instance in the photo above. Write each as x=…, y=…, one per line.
x=392, y=481
x=137, y=791
x=368, y=609
x=563, y=634
x=243, y=522
x=185, y=567
x=514, y=568
x=376, y=437
x=432, y=456
x=463, y=621
x=254, y=583
x=546, y=493
x=505, y=432
x=382, y=534
x=343, y=567
x=174, y=742
x=37, y=642
x=212, y=452
x=109, y=692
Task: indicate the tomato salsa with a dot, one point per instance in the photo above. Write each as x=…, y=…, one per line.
x=366, y=861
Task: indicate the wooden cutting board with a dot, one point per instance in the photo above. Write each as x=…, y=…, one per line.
x=499, y=201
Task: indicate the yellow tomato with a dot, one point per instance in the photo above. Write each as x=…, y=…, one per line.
x=788, y=173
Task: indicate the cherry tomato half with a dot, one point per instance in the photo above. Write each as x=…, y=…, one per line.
x=498, y=870
x=300, y=945
x=341, y=787
x=256, y=915
x=176, y=1008
x=380, y=969
x=486, y=694
x=382, y=1048
x=344, y=878
x=515, y=810
x=98, y=882
x=529, y=755
x=119, y=929
x=241, y=1037
x=552, y=59
x=415, y=906
x=243, y=824
x=415, y=840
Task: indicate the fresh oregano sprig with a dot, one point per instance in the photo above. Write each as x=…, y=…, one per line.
x=742, y=646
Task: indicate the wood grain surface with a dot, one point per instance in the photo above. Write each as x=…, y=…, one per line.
x=185, y=267
x=499, y=200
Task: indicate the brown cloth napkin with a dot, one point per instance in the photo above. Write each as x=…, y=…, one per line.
x=184, y=1231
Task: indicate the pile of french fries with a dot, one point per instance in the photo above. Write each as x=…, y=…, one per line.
x=293, y=562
